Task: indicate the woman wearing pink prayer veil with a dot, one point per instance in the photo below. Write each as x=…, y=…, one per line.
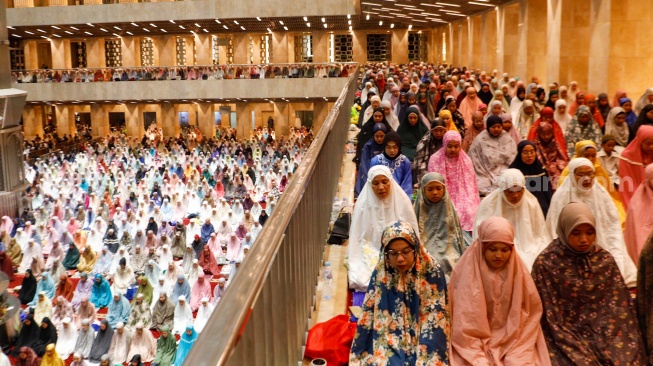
x=233, y=247
x=639, y=221
x=634, y=159
x=72, y=226
x=458, y=172
x=495, y=306
x=201, y=289
x=469, y=105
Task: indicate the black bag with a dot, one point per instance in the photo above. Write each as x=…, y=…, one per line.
x=340, y=229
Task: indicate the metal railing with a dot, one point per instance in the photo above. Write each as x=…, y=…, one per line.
x=194, y=72
x=262, y=318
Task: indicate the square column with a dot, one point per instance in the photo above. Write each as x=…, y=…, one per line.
x=33, y=116
x=256, y=49
x=204, y=49
x=131, y=51
x=281, y=118
x=65, y=120
x=320, y=113
x=244, y=119
x=165, y=47
x=206, y=119
x=599, y=49
x=400, y=46
x=500, y=28
x=134, y=123
x=99, y=121
x=553, y=32
x=241, y=48
x=169, y=120
x=95, y=56
x=320, y=46
x=60, y=53
x=279, y=47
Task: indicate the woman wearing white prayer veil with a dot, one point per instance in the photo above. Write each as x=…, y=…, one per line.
x=67, y=338
x=94, y=240
x=166, y=210
x=31, y=251
x=183, y=315
x=232, y=220
x=179, y=212
x=165, y=256
x=120, y=343
x=238, y=211
x=203, y=314
x=256, y=209
x=581, y=187
x=381, y=202
x=515, y=203
x=561, y=115
x=159, y=287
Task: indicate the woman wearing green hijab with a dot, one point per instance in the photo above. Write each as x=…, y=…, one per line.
x=71, y=260
x=145, y=288
x=166, y=348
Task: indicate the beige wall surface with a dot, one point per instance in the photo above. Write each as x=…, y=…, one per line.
x=161, y=11
x=185, y=89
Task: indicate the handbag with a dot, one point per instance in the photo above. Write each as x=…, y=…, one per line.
x=340, y=229
x=331, y=340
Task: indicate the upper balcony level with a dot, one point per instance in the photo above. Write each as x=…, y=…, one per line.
x=211, y=82
x=255, y=14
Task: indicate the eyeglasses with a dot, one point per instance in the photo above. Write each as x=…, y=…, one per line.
x=393, y=254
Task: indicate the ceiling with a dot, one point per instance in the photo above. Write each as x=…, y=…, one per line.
x=376, y=14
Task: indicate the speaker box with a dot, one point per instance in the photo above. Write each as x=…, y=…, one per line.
x=12, y=102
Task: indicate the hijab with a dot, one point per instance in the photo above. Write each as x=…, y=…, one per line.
x=537, y=180
x=439, y=225
x=495, y=313
x=411, y=135
x=28, y=288
x=371, y=215
x=101, y=343
x=639, y=221
x=408, y=306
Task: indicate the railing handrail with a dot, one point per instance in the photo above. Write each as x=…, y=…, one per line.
x=188, y=66
x=231, y=315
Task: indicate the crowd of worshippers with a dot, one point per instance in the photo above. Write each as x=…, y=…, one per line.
x=554, y=189
x=120, y=245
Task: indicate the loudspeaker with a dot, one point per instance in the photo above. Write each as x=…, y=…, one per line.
x=12, y=174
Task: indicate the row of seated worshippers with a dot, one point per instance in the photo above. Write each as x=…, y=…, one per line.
x=161, y=282
x=461, y=181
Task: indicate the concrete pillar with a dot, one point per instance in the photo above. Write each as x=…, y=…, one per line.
x=244, y=118
x=241, y=48
x=450, y=40
x=320, y=113
x=60, y=53
x=130, y=50
x=522, y=46
x=256, y=48
x=204, y=49
x=500, y=29
x=169, y=120
x=31, y=57
x=65, y=120
x=282, y=118
x=279, y=47
x=599, y=46
x=399, y=44
x=33, y=117
x=481, y=37
x=95, y=53
x=99, y=121
x=165, y=47
x=554, y=8
x=134, y=120
x=471, y=60
x=206, y=119
x=359, y=42
x=320, y=46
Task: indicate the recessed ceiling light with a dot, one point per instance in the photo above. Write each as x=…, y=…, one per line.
x=197, y=25
x=135, y=25
x=447, y=4
x=225, y=27
x=172, y=21
x=217, y=21
x=325, y=25
x=90, y=25
x=163, y=30
x=243, y=28
x=410, y=26
x=28, y=32
x=181, y=26
x=42, y=31
x=56, y=35
x=104, y=30
x=348, y=16
x=269, y=30
x=74, y=28
x=205, y=31
x=130, y=33
x=117, y=28
x=305, y=18
x=380, y=22
x=285, y=28
x=89, y=33
x=147, y=30
x=323, y=20
x=16, y=35
x=481, y=4
x=68, y=32
x=367, y=17
x=236, y=22
x=281, y=22
x=153, y=25
x=308, y=25
x=258, y=18
x=55, y=27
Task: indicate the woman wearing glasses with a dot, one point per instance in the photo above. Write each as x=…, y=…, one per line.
x=404, y=318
